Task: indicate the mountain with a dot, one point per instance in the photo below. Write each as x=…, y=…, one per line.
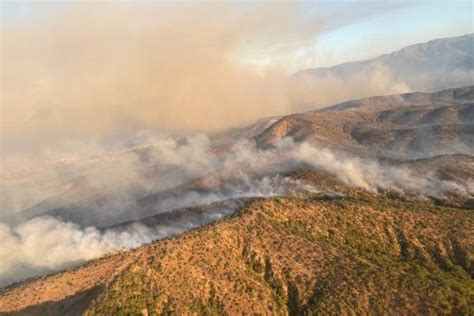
x=431, y=66
x=359, y=253
x=412, y=125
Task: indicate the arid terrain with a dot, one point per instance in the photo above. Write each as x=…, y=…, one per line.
x=407, y=125
x=362, y=207
x=236, y=158
x=315, y=253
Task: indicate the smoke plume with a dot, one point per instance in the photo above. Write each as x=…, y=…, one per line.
x=170, y=173
x=104, y=71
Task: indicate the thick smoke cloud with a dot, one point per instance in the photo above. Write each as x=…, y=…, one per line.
x=373, y=176
x=156, y=65
x=165, y=163
x=103, y=70
x=47, y=244
x=180, y=173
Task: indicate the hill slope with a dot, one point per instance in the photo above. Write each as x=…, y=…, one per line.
x=407, y=125
x=297, y=255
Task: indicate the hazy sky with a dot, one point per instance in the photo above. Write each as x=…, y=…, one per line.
x=366, y=29
x=196, y=57
x=74, y=70
x=362, y=29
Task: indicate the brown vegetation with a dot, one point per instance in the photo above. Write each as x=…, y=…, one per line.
x=288, y=255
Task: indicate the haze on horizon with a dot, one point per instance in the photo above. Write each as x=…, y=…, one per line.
x=118, y=68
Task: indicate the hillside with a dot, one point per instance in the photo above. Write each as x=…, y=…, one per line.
x=298, y=255
x=413, y=125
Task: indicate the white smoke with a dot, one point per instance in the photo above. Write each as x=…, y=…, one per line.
x=38, y=245
x=46, y=244
x=371, y=175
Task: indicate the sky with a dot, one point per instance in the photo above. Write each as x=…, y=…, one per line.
x=372, y=28
x=387, y=32
x=367, y=28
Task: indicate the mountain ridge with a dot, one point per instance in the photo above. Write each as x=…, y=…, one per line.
x=235, y=264
x=408, y=125
x=450, y=61
x=408, y=47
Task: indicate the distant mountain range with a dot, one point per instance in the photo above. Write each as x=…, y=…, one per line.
x=411, y=125
x=431, y=66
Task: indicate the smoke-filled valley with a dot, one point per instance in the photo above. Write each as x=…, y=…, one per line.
x=78, y=205
x=188, y=159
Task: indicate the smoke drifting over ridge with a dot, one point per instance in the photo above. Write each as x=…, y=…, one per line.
x=162, y=163
x=244, y=171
